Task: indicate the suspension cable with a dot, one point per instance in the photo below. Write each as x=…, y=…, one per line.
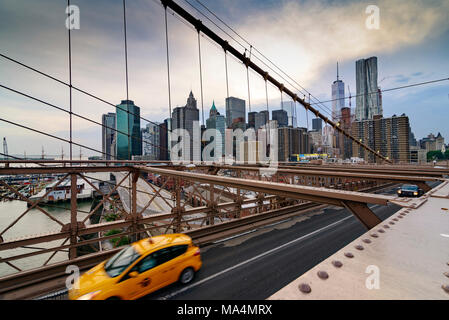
x=201, y=76
x=226, y=69
x=168, y=62
x=126, y=74
x=70, y=76
x=75, y=114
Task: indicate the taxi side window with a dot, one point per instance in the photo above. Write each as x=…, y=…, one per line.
x=159, y=257
x=146, y=264
x=178, y=250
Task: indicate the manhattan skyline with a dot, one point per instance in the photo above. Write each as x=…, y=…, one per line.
x=411, y=46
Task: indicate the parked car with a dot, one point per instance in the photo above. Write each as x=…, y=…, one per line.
x=140, y=268
x=410, y=190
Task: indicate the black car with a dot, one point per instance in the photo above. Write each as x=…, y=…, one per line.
x=410, y=190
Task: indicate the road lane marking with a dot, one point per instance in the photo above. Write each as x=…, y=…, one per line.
x=252, y=259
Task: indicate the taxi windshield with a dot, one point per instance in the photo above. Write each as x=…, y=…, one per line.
x=120, y=261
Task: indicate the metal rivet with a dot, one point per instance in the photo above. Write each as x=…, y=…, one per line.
x=395, y=219
x=381, y=230
x=445, y=287
x=403, y=214
x=444, y=209
x=400, y=217
x=446, y=274
x=337, y=263
x=349, y=255
x=359, y=247
x=374, y=235
x=367, y=240
x=386, y=226
x=392, y=223
x=305, y=288
x=323, y=275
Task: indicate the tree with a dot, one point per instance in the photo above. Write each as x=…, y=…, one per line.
x=435, y=155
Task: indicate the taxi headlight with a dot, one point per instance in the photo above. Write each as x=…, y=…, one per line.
x=399, y=191
x=89, y=296
x=415, y=193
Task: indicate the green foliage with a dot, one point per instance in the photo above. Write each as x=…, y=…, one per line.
x=121, y=241
x=437, y=155
x=111, y=217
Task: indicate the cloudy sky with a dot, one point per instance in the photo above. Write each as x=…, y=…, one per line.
x=304, y=38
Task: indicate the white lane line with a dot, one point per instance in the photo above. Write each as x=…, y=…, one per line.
x=252, y=259
x=250, y=231
x=235, y=236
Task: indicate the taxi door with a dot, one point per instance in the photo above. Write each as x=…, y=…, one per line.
x=173, y=266
x=150, y=276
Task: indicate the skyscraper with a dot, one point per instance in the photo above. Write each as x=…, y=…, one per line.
x=317, y=124
x=235, y=109
x=107, y=135
x=281, y=116
x=338, y=98
x=289, y=106
x=185, y=118
x=262, y=118
x=252, y=119
x=150, y=141
x=388, y=136
x=129, y=139
x=368, y=100
x=217, y=121
x=164, y=129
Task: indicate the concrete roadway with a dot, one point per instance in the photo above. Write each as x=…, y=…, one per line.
x=256, y=265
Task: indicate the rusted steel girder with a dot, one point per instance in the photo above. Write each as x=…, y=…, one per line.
x=362, y=213
x=380, y=176
x=321, y=195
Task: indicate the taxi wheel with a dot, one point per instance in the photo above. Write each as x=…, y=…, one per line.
x=186, y=276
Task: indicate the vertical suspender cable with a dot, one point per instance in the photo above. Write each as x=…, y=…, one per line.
x=249, y=94
x=169, y=124
x=70, y=77
x=126, y=75
x=201, y=76
x=226, y=68
x=267, y=125
x=168, y=62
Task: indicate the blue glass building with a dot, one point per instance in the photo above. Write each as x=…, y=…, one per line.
x=129, y=140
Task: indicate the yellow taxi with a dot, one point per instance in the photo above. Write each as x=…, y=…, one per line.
x=140, y=268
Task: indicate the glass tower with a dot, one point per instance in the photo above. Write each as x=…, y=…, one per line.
x=129, y=140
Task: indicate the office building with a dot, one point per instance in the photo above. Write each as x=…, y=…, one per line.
x=151, y=148
x=187, y=118
x=164, y=131
x=387, y=136
x=262, y=119
x=338, y=98
x=289, y=106
x=317, y=124
x=235, y=109
x=345, y=143
x=252, y=119
x=281, y=117
x=368, y=100
x=108, y=136
x=129, y=139
x=218, y=122
x=292, y=141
